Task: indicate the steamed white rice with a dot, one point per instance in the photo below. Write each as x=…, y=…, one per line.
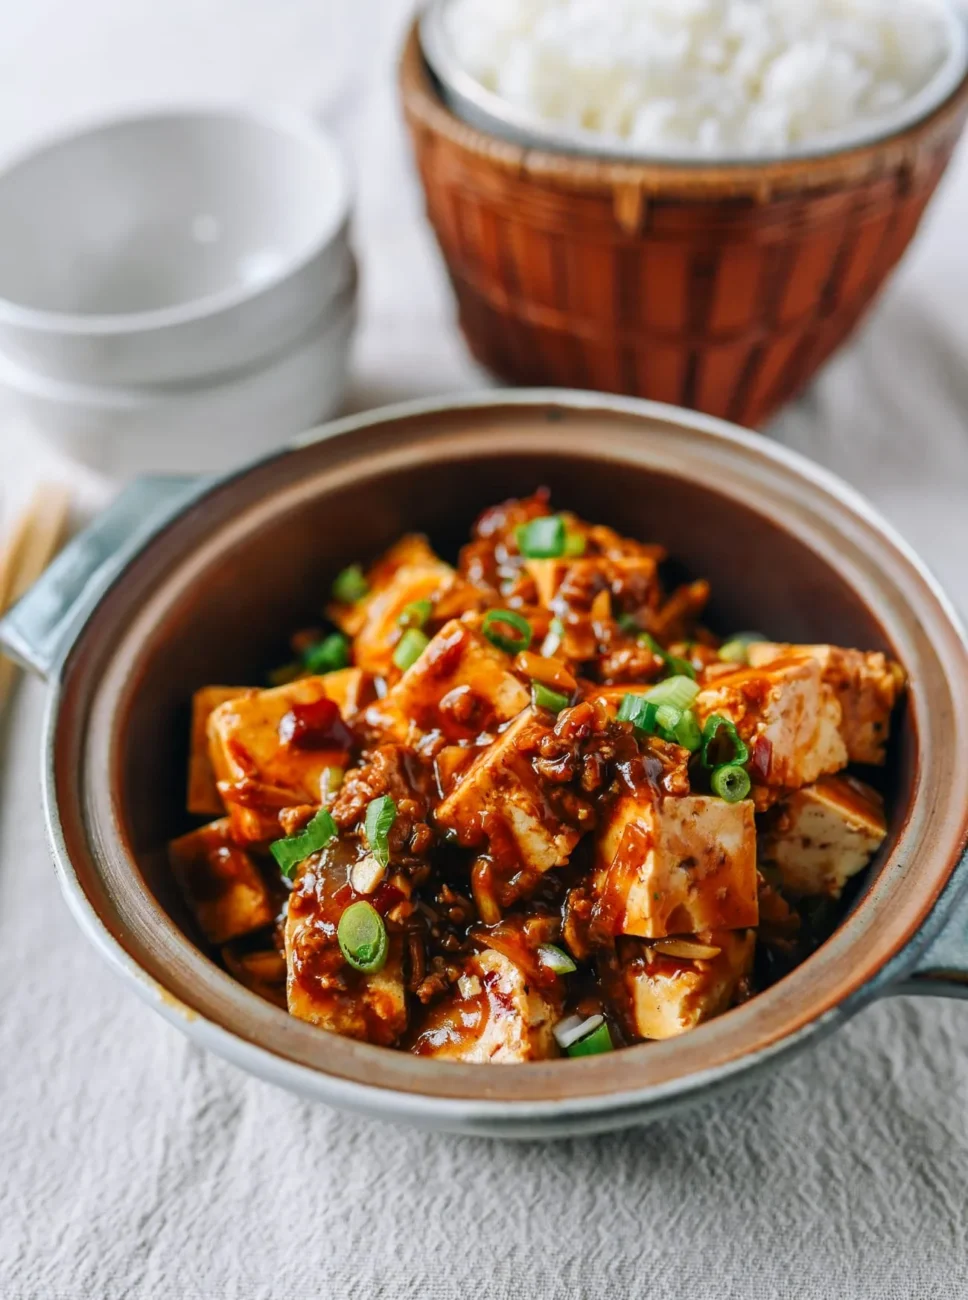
x=722, y=77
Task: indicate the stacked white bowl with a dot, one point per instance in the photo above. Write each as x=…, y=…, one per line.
x=177, y=289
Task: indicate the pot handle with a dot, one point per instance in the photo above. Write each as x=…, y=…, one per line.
x=42, y=625
x=941, y=965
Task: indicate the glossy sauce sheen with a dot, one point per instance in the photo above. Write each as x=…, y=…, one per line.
x=522, y=837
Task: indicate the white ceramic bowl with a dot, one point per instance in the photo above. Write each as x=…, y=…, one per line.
x=174, y=245
x=207, y=427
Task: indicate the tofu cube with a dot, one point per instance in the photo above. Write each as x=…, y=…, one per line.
x=375, y=642
x=866, y=683
x=321, y=986
x=660, y=997
x=492, y=1016
x=221, y=883
x=500, y=800
x=262, y=970
x=259, y=770
x=460, y=687
x=673, y=866
x=823, y=834
x=788, y=716
x=411, y=550
x=631, y=579
x=203, y=795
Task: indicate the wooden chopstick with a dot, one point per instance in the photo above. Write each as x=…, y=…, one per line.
x=32, y=544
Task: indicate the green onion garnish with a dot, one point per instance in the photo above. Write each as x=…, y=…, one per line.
x=380, y=815
x=328, y=655
x=543, y=697
x=542, y=539
x=350, y=585
x=495, y=619
x=679, y=691
x=715, y=724
x=737, y=649
x=680, y=726
x=630, y=624
x=673, y=663
x=593, y=1044
x=687, y=731
x=731, y=782
x=294, y=849
x=410, y=647
x=574, y=544
x=363, y=937
x=416, y=614
x=555, y=959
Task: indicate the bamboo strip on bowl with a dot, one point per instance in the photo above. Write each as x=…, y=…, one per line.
x=722, y=288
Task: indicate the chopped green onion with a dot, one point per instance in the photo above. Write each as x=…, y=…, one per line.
x=556, y=959
x=593, y=1044
x=674, y=664
x=380, y=815
x=715, y=724
x=687, y=731
x=639, y=711
x=679, y=691
x=680, y=726
x=416, y=614
x=667, y=718
x=543, y=697
x=630, y=624
x=350, y=585
x=543, y=538
x=294, y=849
x=363, y=937
x=495, y=619
x=328, y=655
x=737, y=649
x=574, y=544
x=410, y=647
x=731, y=782
x=284, y=675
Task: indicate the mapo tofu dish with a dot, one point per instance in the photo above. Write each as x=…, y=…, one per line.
x=529, y=806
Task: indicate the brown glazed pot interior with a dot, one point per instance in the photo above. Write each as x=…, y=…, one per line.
x=213, y=599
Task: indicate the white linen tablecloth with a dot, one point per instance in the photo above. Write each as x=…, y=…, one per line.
x=133, y=1166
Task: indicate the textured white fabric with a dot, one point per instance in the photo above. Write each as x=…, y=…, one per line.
x=135, y=1167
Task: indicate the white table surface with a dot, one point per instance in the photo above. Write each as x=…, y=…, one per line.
x=135, y=1167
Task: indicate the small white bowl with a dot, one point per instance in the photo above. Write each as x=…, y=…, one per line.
x=195, y=427
x=173, y=245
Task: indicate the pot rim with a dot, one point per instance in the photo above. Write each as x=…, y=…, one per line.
x=432, y=1096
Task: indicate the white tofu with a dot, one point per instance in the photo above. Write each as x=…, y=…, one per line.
x=376, y=640
x=675, y=866
x=258, y=770
x=659, y=997
x=410, y=550
x=823, y=834
x=633, y=578
x=460, y=687
x=492, y=1016
x=500, y=795
x=220, y=882
x=866, y=683
x=203, y=795
x=321, y=986
x=788, y=716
